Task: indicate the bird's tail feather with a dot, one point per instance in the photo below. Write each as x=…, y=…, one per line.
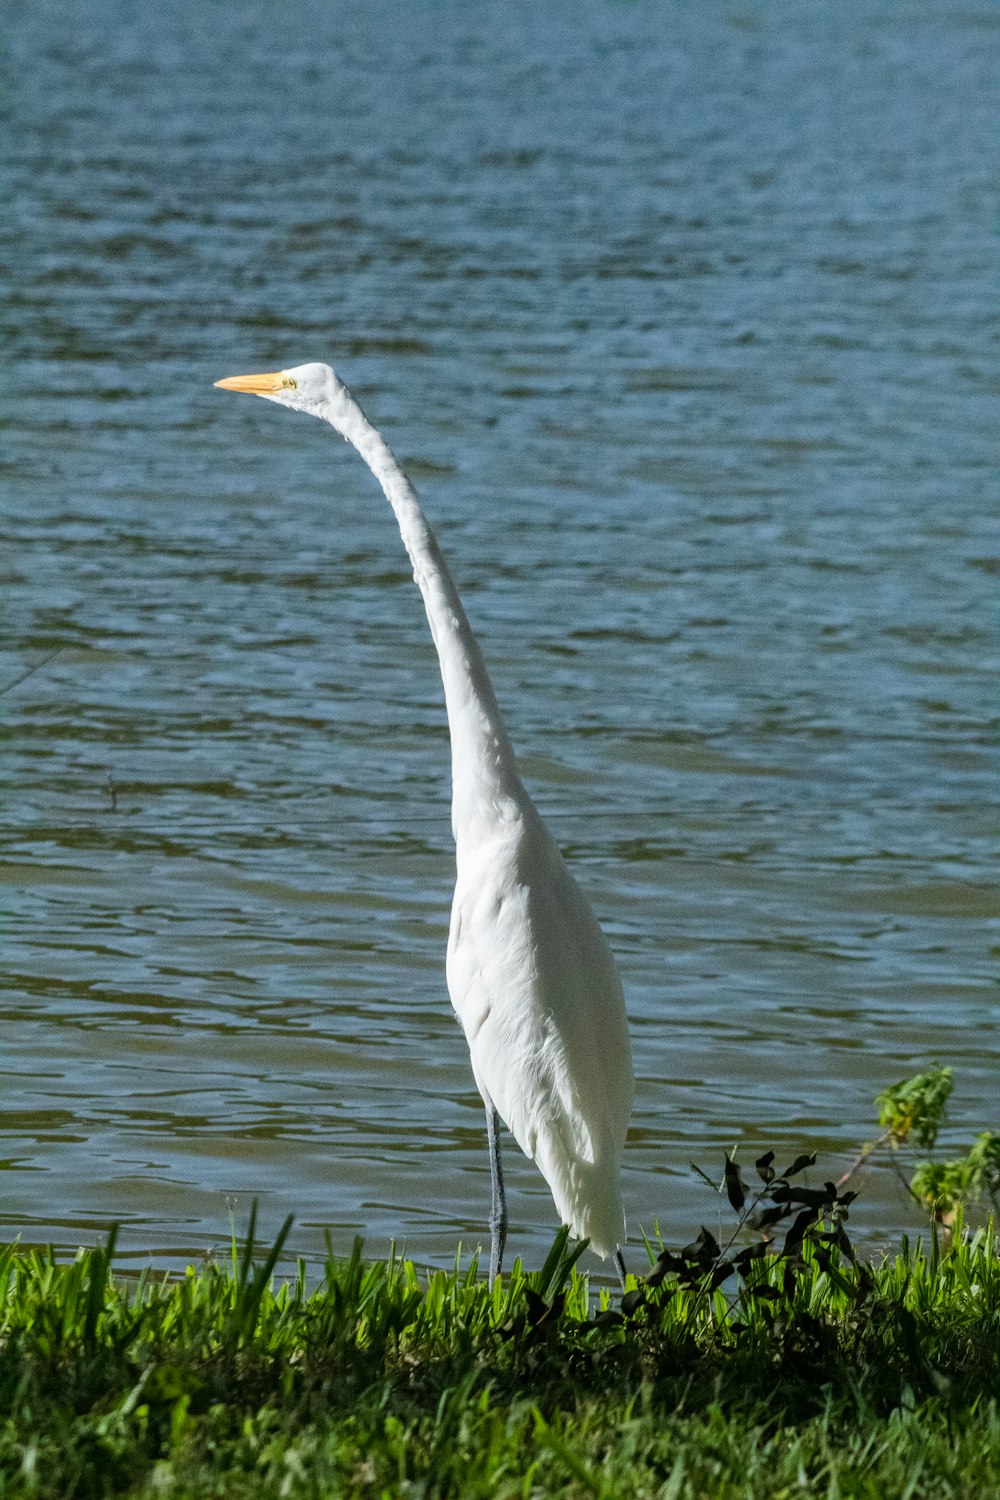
x=586, y=1195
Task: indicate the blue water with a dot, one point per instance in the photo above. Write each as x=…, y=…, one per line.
x=683, y=321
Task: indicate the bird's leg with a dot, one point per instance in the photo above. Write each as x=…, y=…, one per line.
x=620, y=1267
x=498, y=1203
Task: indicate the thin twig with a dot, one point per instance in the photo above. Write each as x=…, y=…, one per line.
x=894, y=1158
x=861, y=1158
x=887, y=1137
x=10, y=686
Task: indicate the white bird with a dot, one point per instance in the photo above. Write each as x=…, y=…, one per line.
x=530, y=973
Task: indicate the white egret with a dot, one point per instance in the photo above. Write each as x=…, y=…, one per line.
x=529, y=971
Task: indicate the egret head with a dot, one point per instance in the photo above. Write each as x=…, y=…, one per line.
x=312, y=388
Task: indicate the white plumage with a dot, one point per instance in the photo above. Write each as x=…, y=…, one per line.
x=530, y=973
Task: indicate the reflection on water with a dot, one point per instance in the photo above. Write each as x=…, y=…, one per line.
x=679, y=319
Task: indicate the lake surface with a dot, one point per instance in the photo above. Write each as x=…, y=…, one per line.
x=683, y=321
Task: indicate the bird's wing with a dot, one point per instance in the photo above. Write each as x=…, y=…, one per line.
x=536, y=989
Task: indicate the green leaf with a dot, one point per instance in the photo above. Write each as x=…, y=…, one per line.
x=735, y=1187
x=765, y=1167
x=807, y=1159
x=916, y=1107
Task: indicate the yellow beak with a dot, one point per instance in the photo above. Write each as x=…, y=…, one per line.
x=255, y=385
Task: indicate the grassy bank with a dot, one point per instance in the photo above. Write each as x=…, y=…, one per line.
x=745, y=1372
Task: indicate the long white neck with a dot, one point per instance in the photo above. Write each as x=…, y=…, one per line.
x=484, y=768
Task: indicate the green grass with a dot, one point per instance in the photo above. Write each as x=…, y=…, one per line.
x=812, y=1376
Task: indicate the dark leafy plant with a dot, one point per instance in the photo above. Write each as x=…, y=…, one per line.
x=798, y=1230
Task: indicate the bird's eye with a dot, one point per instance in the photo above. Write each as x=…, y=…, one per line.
x=292, y=385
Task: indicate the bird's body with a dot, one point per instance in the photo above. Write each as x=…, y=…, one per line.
x=530, y=974
x=536, y=990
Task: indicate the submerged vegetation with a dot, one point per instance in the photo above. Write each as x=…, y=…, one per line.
x=774, y=1364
